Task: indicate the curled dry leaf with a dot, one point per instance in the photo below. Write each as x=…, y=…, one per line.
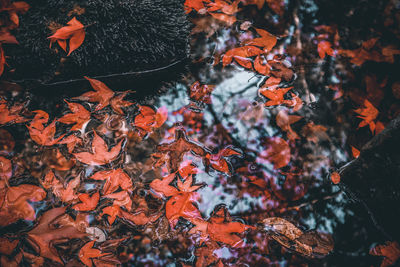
x=309, y=244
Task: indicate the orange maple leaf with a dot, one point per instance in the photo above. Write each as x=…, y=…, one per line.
x=75, y=32
x=390, y=251
x=79, y=116
x=149, y=119
x=284, y=120
x=276, y=96
x=100, y=154
x=101, y=95
x=324, y=48
x=277, y=152
x=87, y=253
x=267, y=41
x=114, y=179
x=43, y=135
x=368, y=114
x=241, y=55
x=88, y=202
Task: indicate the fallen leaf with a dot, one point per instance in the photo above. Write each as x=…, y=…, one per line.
x=75, y=32
x=100, y=154
x=87, y=253
x=88, y=202
x=79, y=116
x=114, y=179
x=390, y=251
x=101, y=94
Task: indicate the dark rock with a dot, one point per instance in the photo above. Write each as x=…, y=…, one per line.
x=374, y=179
x=129, y=44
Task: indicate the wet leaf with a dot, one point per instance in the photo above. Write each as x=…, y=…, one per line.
x=390, y=251
x=88, y=202
x=87, y=253
x=78, y=117
x=100, y=154
x=75, y=32
x=101, y=94
x=114, y=179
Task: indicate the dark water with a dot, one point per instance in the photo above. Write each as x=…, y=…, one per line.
x=301, y=191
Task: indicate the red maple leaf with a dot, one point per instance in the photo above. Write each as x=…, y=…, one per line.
x=55, y=227
x=390, y=251
x=118, y=102
x=43, y=135
x=101, y=95
x=324, y=48
x=87, y=253
x=71, y=141
x=79, y=116
x=100, y=154
x=14, y=203
x=75, y=32
x=219, y=161
x=284, y=120
x=267, y=41
x=112, y=212
x=368, y=114
x=122, y=199
x=88, y=202
x=277, y=152
x=10, y=114
x=241, y=55
x=148, y=119
x=220, y=228
x=114, y=179
x=201, y=92
x=276, y=96
x=177, y=149
x=225, y=6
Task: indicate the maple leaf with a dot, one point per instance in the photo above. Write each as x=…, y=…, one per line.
x=149, y=119
x=55, y=227
x=241, y=55
x=218, y=161
x=60, y=163
x=100, y=154
x=10, y=115
x=283, y=120
x=163, y=187
x=197, y=5
x=88, y=202
x=324, y=48
x=13, y=9
x=335, y=177
x=87, y=252
x=368, y=114
x=201, y=92
x=118, y=102
x=225, y=6
x=314, y=132
x=276, y=96
x=220, y=228
x=15, y=204
x=182, y=205
x=390, y=251
x=260, y=66
x=71, y=141
x=75, y=32
x=177, y=149
x=310, y=244
x=5, y=38
x=122, y=199
x=277, y=153
x=229, y=20
x=267, y=41
x=66, y=194
x=43, y=135
x=114, y=179
x=101, y=94
x=112, y=212
x=355, y=152
x=79, y=116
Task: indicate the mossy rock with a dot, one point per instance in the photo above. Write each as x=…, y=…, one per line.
x=134, y=44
